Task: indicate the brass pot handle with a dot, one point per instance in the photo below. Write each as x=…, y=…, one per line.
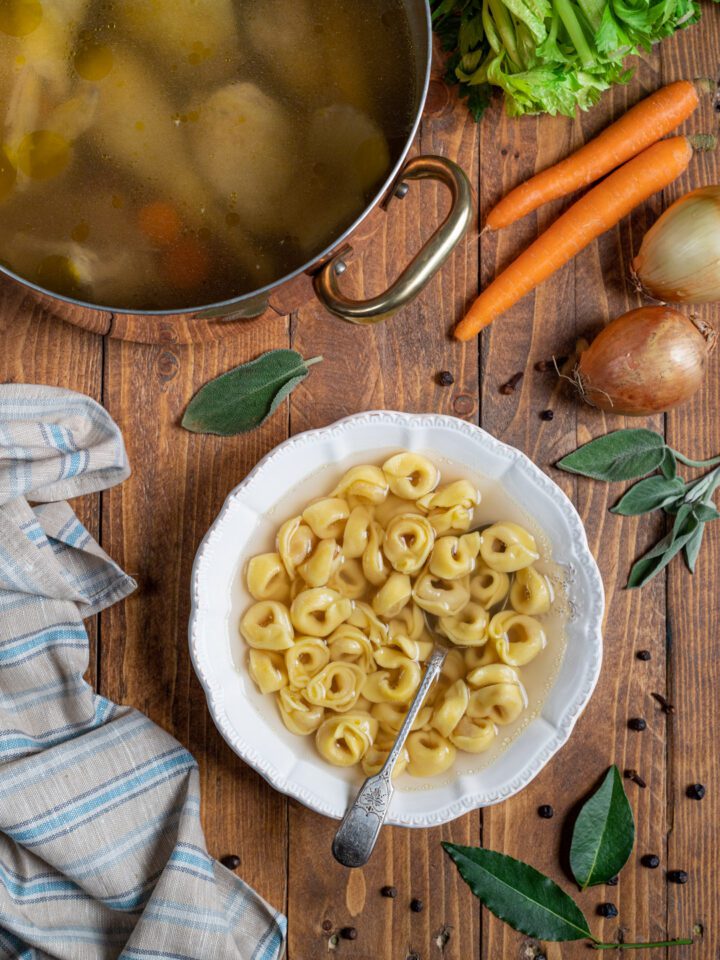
x=427, y=262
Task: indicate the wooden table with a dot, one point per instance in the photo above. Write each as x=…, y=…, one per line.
x=153, y=523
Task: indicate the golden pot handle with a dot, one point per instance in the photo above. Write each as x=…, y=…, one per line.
x=425, y=265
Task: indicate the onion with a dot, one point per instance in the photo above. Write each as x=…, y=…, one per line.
x=679, y=258
x=646, y=361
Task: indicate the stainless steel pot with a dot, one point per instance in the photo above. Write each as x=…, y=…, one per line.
x=328, y=267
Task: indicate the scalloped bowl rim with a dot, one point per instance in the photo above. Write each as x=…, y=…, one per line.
x=449, y=803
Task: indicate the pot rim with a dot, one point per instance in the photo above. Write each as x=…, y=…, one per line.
x=223, y=305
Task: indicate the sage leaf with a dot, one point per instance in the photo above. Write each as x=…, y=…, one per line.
x=241, y=399
x=604, y=833
x=669, y=465
x=652, y=493
x=519, y=894
x=692, y=548
x=621, y=455
x=705, y=512
x=659, y=556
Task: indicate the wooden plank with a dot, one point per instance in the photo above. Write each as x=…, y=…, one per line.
x=575, y=302
x=693, y=650
x=391, y=366
x=36, y=348
x=152, y=525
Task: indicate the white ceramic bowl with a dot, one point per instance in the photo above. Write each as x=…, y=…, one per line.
x=306, y=466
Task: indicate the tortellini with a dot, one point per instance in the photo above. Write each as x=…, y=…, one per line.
x=343, y=610
x=454, y=557
x=496, y=694
x=268, y=670
x=531, y=592
x=344, y=740
x=317, y=612
x=337, y=686
x=508, y=547
x=266, y=626
x=518, y=638
x=489, y=587
x=364, y=485
x=469, y=628
x=306, y=657
x=430, y=754
x=411, y=475
x=267, y=578
x=393, y=595
x=444, y=598
x=409, y=541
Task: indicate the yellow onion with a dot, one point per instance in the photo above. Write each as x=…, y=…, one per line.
x=646, y=361
x=679, y=258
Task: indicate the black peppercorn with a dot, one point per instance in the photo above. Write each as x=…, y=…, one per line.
x=389, y=892
x=607, y=910
x=348, y=933
x=546, y=415
x=677, y=876
x=445, y=378
x=637, y=723
x=546, y=811
x=613, y=881
x=696, y=791
x=650, y=860
x=643, y=655
x=231, y=861
x=417, y=906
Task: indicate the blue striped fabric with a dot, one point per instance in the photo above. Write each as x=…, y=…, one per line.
x=102, y=853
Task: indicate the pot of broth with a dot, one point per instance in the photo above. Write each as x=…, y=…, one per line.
x=190, y=156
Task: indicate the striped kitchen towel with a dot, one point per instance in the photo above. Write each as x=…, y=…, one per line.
x=101, y=850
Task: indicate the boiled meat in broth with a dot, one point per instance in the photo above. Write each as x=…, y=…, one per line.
x=284, y=34
x=244, y=150
x=197, y=39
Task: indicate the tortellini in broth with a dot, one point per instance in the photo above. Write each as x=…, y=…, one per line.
x=339, y=632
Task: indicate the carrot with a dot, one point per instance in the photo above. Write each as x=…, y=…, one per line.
x=186, y=264
x=643, y=125
x=160, y=222
x=599, y=210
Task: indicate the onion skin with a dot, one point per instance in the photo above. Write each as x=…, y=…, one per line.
x=646, y=361
x=679, y=258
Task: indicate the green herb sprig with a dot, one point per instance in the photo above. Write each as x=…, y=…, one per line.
x=629, y=454
x=532, y=903
x=243, y=398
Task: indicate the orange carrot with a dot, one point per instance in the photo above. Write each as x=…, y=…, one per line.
x=599, y=210
x=643, y=125
x=160, y=222
x=186, y=264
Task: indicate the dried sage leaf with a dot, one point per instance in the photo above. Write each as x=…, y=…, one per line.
x=241, y=399
x=621, y=455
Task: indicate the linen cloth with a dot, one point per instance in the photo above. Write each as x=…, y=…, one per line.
x=102, y=853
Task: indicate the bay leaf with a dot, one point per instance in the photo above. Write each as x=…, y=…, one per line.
x=243, y=398
x=604, y=833
x=621, y=455
x=652, y=493
x=519, y=894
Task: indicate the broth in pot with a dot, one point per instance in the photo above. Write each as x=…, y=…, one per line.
x=159, y=154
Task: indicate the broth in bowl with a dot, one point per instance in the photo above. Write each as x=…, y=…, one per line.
x=160, y=154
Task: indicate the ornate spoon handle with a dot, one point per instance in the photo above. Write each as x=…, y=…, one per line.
x=358, y=832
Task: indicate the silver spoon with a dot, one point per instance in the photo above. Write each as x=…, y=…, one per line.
x=357, y=834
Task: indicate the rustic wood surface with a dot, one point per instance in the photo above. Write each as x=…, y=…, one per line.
x=153, y=523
